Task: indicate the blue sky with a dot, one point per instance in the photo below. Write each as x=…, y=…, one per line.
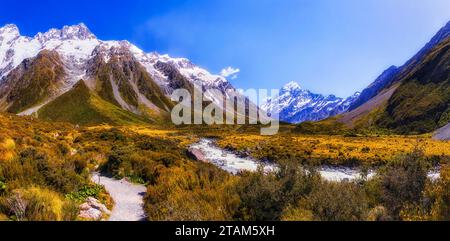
x=328, y=46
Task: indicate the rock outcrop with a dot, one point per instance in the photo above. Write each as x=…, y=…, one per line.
x=92, y=209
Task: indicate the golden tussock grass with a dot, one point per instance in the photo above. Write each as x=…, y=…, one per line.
x=366, y=149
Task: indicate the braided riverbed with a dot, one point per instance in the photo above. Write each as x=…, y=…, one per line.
x=234, y=164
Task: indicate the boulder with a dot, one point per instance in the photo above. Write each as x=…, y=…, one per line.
x=97, y=205
x=91, y=214
x=92, y=209
x=196, y=154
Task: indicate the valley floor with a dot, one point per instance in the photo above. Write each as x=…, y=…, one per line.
x=51, y=163
x=333, y=150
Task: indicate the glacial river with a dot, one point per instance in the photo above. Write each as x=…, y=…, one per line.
x=232, y=163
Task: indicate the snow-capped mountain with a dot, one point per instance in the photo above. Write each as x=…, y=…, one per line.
x=295, y=104
x=74, y=43
x=79, y=53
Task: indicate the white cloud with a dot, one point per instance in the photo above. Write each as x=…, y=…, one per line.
x=230, y=72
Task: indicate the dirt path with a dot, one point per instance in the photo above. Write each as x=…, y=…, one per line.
x=128, y=198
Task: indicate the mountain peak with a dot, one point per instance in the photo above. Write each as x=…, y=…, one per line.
x=291, y=86
x=79, y=31
x=10, y=29
x=10, y=26
x=296, y=105
x=72, y=32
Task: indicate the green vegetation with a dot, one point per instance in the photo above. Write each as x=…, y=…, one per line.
x=178, y=188
x=192, y=192
x=421, y=103
x=41, y=177
x=40, y=170
x=142, y=160
x=265, y=196
x=83, y=107
x=400, y=192
x=417, y=108
x=404, y=182
x=85, y=192
x=46, y=166
x=35, y=170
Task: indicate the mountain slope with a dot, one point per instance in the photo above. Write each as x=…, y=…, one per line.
x=422, y=102
x=32, y=82
x=123, y=81
x=418, y=102
x=373, y=89
x=365, y=115
x=82, y=106
x=396, y=74
x=296, y=105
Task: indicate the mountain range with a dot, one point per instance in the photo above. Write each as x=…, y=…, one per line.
x=111, y=81
x=70, y=75
x=414, y=97
x=411, y=99
x=295, y=104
